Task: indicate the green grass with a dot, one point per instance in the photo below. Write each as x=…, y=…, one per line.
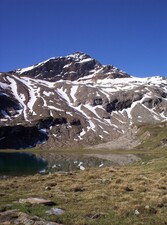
x=151, y=136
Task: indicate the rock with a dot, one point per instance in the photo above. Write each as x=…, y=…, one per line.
x=164, y=141
x=36, y=201
x=137, y=213
x=55, y=211
x=20, y=136
x=147, y=207
x=8, y=215
x=95, y=216
x=12, y=217
x=128, y=189
x=47, y=188
x=77, y=188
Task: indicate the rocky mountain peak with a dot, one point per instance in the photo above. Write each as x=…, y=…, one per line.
x=77, y=56
x=72, y=67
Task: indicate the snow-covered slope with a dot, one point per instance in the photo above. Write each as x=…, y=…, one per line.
x=75, y=100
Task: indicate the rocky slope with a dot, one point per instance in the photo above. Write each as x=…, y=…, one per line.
x=75, y=100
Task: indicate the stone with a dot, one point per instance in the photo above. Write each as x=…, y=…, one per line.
x=128, y=189
x=55, y=211
x=47, y=188
x=36, y=201
x=137, y=213
x=12, y=217
x=95, y=215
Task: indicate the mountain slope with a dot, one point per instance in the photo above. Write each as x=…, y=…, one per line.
x=74, y=100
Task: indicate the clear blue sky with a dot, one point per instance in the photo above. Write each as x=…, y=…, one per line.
x=129, y=34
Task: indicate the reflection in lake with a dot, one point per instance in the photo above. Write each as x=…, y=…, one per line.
x=70, y=162
x=18, y=163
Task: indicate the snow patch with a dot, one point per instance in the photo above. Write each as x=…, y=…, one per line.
x=63, y=94
x=13, y=86
x=74, y=89
x=81, y=166
x=83, y=132
x=48, y=93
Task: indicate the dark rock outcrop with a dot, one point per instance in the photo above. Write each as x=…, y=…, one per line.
x=20, y=136
x=152, y=102
x=8, y=105
x=72, y=67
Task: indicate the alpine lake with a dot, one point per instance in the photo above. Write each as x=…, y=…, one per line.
x=18, y=163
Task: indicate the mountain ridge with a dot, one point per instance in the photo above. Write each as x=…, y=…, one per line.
x=75, y=100
x=70, y=67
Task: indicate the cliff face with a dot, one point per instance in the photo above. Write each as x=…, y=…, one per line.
x=74, y=100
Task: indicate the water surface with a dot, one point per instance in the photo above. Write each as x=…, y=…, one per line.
x=23, y=163
x=19, y=163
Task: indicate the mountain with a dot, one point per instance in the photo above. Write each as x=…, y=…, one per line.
x=75, y=101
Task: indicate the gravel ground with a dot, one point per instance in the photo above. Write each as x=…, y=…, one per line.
x=126, y=141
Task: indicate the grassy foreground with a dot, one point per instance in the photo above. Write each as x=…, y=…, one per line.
x=127, y=195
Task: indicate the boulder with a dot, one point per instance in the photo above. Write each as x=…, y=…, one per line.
x=36, y=201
